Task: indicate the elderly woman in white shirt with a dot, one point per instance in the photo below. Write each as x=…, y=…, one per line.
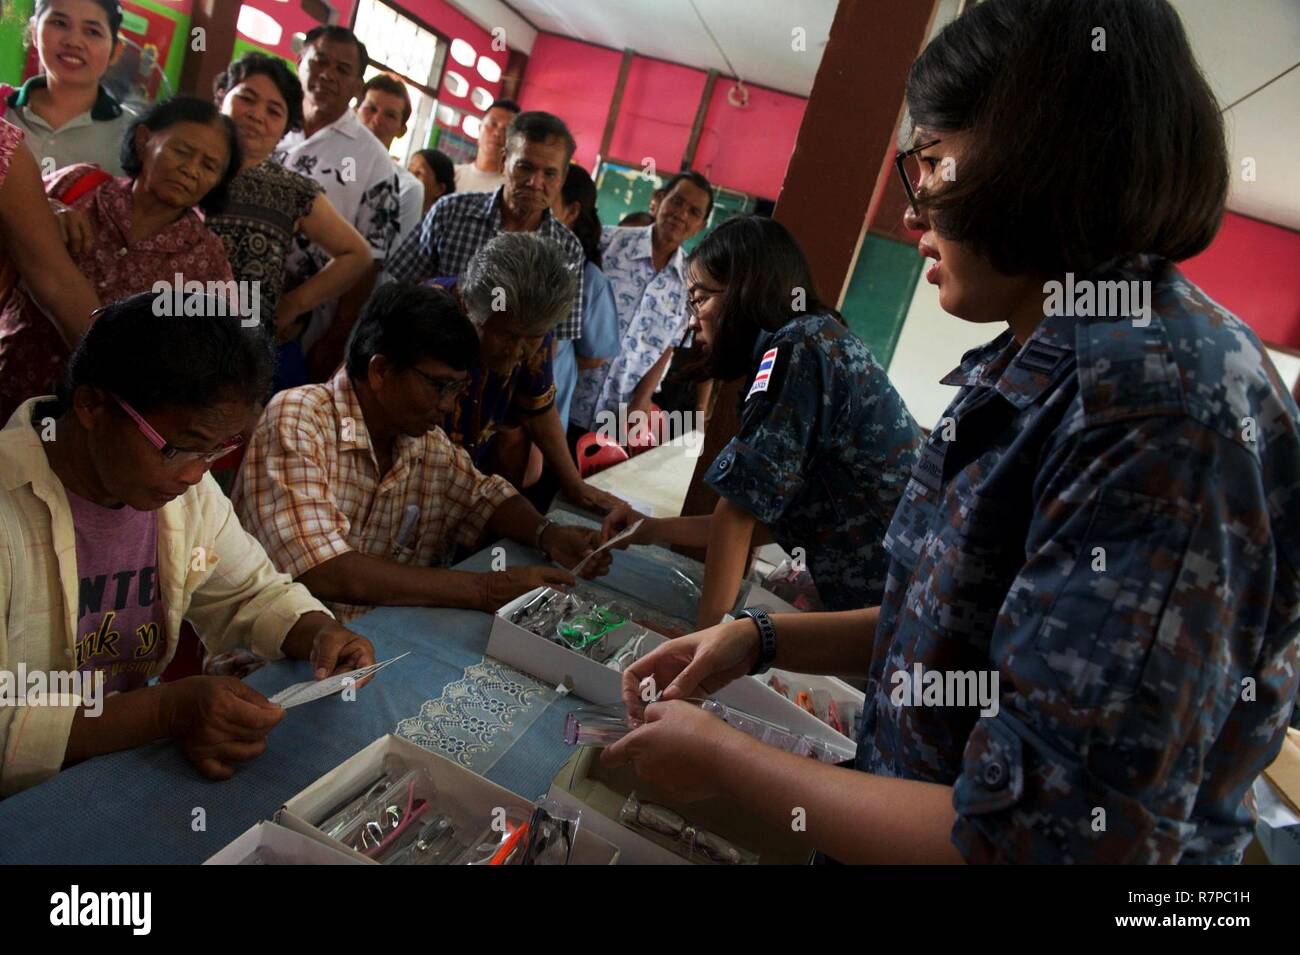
x=104, y=492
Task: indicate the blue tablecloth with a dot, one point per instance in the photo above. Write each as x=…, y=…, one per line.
x=149, y=805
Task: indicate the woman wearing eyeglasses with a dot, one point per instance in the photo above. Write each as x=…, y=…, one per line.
x=111, y=532
x=825, y=443
x=1087, y=649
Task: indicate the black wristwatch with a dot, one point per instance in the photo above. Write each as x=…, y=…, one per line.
x=766, y=638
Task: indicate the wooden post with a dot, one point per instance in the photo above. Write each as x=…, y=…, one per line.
x=839, y=163
x=615, y=104
x=688, y=157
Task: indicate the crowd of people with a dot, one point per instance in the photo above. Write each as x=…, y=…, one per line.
x=427, y=340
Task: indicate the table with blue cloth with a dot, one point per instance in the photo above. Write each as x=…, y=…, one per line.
x=149, y=805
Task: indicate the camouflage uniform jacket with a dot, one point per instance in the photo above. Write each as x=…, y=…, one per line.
x=824, y=451
x=1107, y=519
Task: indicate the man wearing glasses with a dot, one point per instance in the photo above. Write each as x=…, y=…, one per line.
x=354, y=490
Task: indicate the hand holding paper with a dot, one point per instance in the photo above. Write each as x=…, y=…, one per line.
x=317, y=689
x=625, y=533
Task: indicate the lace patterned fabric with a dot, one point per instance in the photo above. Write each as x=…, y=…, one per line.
x=479, y=717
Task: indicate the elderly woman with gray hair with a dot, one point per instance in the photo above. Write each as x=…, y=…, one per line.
x=516, y=289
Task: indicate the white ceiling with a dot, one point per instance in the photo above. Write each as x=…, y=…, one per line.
x=1240, y=45
x=756, y=35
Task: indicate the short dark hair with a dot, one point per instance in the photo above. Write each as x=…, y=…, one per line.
x=332, y=31
x=407, y=323
x=634, y=220
x=1076, y=155
x=185, y=109
x=388, y=83
x=112, y=9
x=444, y=170
x=579, y=188
x=507, y=104
x=274, y=69
x=537, y=127
x=762, y=267
x=695, y=179
x=194, y=360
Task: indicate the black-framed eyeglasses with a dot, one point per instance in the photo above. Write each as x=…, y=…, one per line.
x=909, y=166
x=444, y=387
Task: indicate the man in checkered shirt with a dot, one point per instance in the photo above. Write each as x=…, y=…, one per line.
x=354, y=490
x=538, y=149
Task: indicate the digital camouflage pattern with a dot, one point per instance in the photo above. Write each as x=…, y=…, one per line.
x=1111, y=519
x=822, y=456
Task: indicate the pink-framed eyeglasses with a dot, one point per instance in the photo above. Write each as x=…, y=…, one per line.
x=177, y=457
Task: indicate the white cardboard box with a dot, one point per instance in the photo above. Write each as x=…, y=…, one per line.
x=601, y=685
x=288, y=847
x=464, y=795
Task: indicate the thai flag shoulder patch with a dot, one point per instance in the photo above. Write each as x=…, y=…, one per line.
x=764, y=374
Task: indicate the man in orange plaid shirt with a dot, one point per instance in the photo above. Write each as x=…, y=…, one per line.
x=355, y=491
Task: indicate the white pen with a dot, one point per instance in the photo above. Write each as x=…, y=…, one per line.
x=407, y=529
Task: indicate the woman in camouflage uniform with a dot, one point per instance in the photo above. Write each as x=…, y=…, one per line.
x=825, y=444
x=1104, y=537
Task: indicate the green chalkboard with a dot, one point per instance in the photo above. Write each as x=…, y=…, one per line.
x=880, y=293
x=621, y=190
x=726, y=203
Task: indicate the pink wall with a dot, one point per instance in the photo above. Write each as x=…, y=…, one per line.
x=1252, y=269
x=745, y=149
x=658, y=108
x=575, y=81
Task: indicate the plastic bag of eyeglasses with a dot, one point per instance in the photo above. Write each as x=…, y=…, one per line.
x=842, y=715
x=551, y=834
x=442, y=841
x=596, y=630
x=393, y=806
x=773, y=734
x=664, y=826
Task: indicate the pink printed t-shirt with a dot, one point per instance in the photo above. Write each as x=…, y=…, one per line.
x=120, y=615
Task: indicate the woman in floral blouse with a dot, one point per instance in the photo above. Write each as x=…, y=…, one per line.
x=126, y=234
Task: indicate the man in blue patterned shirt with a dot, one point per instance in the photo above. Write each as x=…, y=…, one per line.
x=538, y=149
x=647, y=270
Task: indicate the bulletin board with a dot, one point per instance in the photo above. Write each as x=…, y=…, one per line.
x=622, y=190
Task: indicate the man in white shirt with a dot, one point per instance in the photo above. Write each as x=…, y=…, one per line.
x=358, y=176
x=487, y=172
x=385, y=110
